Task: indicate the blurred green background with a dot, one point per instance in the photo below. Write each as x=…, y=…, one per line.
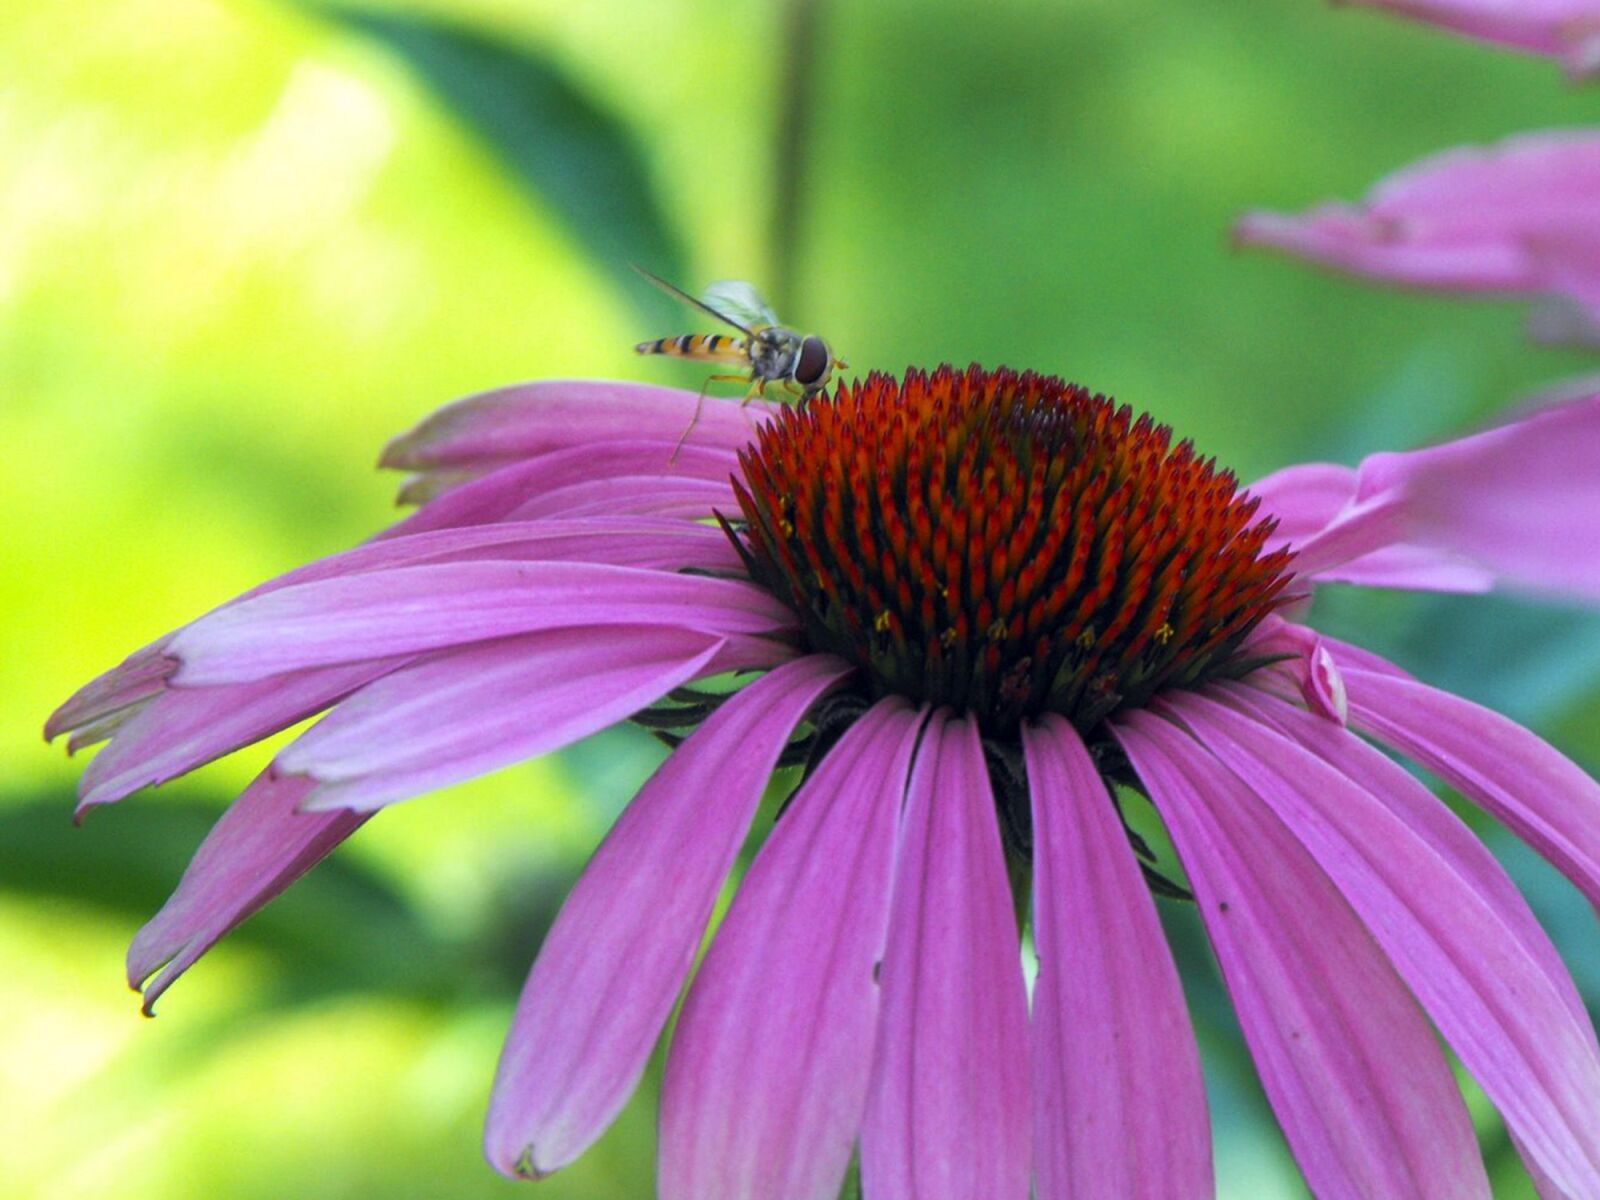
x=242, y=242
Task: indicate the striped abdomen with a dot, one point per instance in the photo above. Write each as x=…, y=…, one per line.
x=706, y=347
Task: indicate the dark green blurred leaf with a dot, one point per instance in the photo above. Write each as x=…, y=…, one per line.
x=341, y=927
x=559, y=142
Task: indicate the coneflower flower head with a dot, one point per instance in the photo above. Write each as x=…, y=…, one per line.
x=1006, y=545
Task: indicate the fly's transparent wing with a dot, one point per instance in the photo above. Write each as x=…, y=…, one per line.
x=739, y=300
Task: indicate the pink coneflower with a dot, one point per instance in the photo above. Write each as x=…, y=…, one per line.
x=982, y=607
x=1521, y=217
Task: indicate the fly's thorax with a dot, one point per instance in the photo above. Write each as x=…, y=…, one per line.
x=773, y=353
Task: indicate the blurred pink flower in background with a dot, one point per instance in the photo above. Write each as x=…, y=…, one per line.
x=983, y=603
x=1521, y=217
x=1568, y=30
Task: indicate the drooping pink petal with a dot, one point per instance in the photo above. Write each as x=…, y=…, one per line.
x=1491, y=999
x=947, y=1113
x=1396, y=788
x=612, y=965
x=1520, y=217
x=138, y=677
x=1541, y=795
x=184, y=728
x=1119, y=1102
x=411, y=609
x=664, y=544
x=261, y=845
x=767, y=1075
x=1568, y=30
x=533, y=418
x=449, y=718
x=1354, y=1073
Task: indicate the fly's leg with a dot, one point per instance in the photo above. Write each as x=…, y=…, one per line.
x=699, y=402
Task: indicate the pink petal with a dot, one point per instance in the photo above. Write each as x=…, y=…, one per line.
x=1509, y=218
x=1517, y=504
x=947, y=1113
x=261, y=845
x=589, y=461
x=1522, y=500
x=1308, y=499
x=767, y=1075
x=411, y=609
x=186, y=727
x=1492, y=1000
x=447, y=719
x=138, y=677
x=1558, y=28
x=620, y=541
x=613, y=963
x=1119, y=1102
x=1354, y=1073
x=1398, y=790
x=657, y=495
x=532, y=418
x=1544, y=797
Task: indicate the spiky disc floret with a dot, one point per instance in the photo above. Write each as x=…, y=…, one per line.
x=1005, y=544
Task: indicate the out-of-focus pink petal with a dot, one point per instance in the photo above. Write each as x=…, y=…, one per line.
x=450, y=718
x=411, y=609
x=1520, y=217
x=1355, y=1075
x=1541, y=795
x=533, y=418
x=1398, y=790
x=261, y=845
x=1354, y=239
x=1564, y=29
x=186, y=727
x=1119, y=1102
x=611, y=966
x=1491, y=999
x=947, y=1114
x=767, y=1075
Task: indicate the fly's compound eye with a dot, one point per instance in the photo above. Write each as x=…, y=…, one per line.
x=812, y=364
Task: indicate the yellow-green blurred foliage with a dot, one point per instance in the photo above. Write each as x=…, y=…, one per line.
x=242, y=243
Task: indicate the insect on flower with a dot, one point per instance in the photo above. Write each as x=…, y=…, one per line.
x=769, y=352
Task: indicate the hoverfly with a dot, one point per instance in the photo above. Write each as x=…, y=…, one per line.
x=768, y=352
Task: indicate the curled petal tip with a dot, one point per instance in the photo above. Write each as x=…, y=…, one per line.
x=1324, y=687
x=397, y=454
x=523, y=1167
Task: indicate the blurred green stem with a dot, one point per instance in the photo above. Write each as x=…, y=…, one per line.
x=791, y=145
